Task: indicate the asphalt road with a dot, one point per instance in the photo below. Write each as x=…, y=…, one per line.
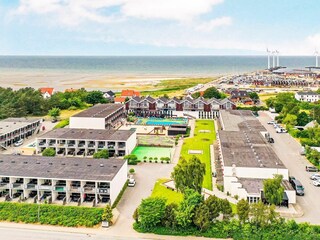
x=287, y=149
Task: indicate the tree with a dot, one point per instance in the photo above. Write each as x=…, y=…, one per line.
x=49, y=152
x=101, y=154
x=202, y=217
x=186, y=210
x=151, y=211
x=95, y=97
x=213, y=204
x=166, y=96
x=54, y=113
x=243, y=210
x=132, y=159
x=273, y=190
x=107, y=214
x=131, y=171
x=226, y=208
x=258, y=213
x=254, y=96
x=290, y=120
x=212, y=92
x=169, y=218
x=189, y=174
x=303, y=119
x=195, y=95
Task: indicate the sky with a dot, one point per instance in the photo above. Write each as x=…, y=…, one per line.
x=159, y=27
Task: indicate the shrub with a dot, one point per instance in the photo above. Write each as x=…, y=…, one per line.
x=151, y=211
x=62, y=124
x=150, y=158
x=115, y=203
x=220, y=187
x=49, y=152
x=131, y=171
x=107, y=214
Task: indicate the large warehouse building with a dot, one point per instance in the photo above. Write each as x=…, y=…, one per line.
x=75, y=181
x=247, y=158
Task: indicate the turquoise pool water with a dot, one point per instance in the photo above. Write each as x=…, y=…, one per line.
x=161, y=121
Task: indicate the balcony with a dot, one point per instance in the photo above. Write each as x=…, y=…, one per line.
x=91, y=144
x=81, y=144
x=4, y=185
x=31, y=186
x=17, y=185
x=42, y=143
x=103, y=190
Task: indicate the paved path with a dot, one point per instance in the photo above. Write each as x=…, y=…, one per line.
x=287, y=149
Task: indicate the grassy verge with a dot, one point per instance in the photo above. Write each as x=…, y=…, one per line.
x=62, y=124
x=201, y=141
x=50, y=214
x=161, y=191
x=114, y=205
x=175, y=87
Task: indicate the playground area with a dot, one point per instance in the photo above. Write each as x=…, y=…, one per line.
x=153, y=154
x=161, y=121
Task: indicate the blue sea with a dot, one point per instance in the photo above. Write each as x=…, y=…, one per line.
x=147, y=65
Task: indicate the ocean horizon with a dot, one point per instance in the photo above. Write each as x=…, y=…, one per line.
x=147, y=65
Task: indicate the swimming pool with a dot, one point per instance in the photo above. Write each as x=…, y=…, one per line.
x=161, y=121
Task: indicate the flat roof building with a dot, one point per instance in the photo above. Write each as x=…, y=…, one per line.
x=85, y=142
x=64, y=180
x=245, y=154
x=100, y=116
x=14, y=129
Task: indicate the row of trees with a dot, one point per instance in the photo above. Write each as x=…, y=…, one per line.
x=29, y=101
x=211, y=92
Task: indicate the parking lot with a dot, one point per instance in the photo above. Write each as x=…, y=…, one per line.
x=287, y=149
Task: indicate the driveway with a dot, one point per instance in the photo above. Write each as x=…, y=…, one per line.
x=287, y=149
x=145, y=175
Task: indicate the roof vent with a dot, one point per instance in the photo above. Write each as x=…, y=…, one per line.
x=37, y=162
x=115, y=166
x=63, y=164
x=1, y=160
x=50, y=163
x=89, y=165
x=76, y=164
x=25, y=162
x=101, y=165
x=13, y=161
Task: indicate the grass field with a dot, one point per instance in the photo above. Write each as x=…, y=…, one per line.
x=158, y=152
x=201, y=141
x=174, y=87
x=161, y=191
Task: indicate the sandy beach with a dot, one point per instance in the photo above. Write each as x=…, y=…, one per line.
x=91, y=81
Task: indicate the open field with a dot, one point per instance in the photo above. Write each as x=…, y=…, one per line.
x=161, y=191
x=201, y=141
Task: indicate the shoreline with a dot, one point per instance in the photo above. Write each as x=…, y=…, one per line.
x=62, y=80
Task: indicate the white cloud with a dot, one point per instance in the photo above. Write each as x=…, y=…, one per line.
x=180, y=10
x=214, y=23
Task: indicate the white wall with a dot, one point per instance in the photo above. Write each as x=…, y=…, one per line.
x=87, y=123
x=260, y=173
x=131, y=143
x=117, y=182
x=291, y=196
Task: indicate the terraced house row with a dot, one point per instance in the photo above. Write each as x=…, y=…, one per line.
x=205, y=108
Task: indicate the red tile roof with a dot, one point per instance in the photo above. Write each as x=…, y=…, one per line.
x=119, y=99
x=48, y=90
x=129, y=93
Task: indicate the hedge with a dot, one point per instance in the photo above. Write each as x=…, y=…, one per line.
x=67, y=216
x=115, y=203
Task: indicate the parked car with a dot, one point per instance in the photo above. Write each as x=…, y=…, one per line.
x=281, y=130
x=18, y=143
x=291, y=178
x=315, y=176
x=272, y=122
x=298, y=187
x=316, y=182
x=54, y=120
x=131, y=182
x=311, y=169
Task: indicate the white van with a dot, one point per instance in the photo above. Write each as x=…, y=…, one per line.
x=18, y=143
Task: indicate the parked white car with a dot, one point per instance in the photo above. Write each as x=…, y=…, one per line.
x=131, y=182
x=18, y=143
x=281, y=130
x=316, y=183
x=315, y=176
x=272, y=122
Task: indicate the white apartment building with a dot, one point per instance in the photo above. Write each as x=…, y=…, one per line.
x=247, y=159
x=307, y=96
x=85, y=142
x=66, y=181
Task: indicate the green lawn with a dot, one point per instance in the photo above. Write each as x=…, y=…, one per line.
x=201, y=141
x=161, y=191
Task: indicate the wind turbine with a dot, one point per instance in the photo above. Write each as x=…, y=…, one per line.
x=277, y=53
x=273, y=59
x=316, y=53
x=268, y=52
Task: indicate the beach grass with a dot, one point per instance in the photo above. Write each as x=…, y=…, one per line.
x=160, y=190
x=201, y=141
x=174, y=87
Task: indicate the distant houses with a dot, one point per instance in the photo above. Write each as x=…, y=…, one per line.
x=46, y=92
x=127, y=93
x=307, y=96
x=109, y=95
